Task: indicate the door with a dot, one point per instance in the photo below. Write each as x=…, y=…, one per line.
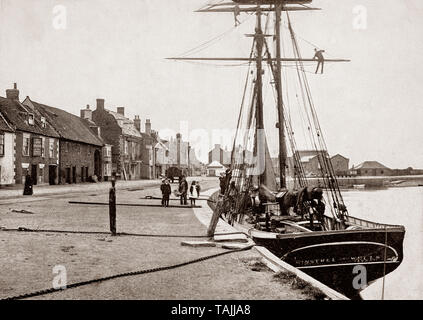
x=52, y=175
x=34, y=174
x=68, y=175
x=73, y=174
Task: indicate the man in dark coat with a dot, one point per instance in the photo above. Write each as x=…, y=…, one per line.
x=183, y=190
x=28, y=186
x=166, y=191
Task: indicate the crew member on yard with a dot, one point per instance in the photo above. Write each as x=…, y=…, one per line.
x=236, y=14
x=318, y=54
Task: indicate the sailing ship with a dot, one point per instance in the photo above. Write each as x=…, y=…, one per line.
x=317, y=235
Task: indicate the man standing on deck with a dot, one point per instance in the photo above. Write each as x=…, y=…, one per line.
x=318, y=54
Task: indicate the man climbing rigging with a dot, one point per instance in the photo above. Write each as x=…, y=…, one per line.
x=237, y=12
x=318, y=54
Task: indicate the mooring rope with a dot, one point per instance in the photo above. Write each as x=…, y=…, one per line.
x=22, y=229
x=120, y=275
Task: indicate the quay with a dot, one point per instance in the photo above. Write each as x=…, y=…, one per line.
x=32, y=256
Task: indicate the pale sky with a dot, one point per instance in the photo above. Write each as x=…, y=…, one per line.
x=369, y=109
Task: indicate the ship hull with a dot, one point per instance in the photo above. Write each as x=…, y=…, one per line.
x=345, y=260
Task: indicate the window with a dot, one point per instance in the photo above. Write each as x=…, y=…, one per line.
x=51, y=147
x=43, y=147
x=26, y=144
x=2, y=144
x=126, y=147
x=43, y=122
x=30, y=119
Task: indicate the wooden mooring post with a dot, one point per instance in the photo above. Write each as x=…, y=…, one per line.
x=215, y=218
x=112, y=207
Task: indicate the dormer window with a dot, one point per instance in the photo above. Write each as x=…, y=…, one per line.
x=43, y=122
x=30, y=119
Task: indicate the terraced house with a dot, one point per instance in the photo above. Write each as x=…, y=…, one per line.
x=35, y=149
x=80, y=152
x=132, y=150
x=7, y=152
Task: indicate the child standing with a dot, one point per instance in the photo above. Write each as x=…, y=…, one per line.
x=194, y=193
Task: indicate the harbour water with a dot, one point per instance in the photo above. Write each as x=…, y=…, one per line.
x=402, y=206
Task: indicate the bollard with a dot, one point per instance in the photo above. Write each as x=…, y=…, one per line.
x=112, y=207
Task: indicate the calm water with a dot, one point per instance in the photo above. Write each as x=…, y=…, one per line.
x=395, y=206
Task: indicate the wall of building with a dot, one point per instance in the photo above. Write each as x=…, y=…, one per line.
x=7, y=161
x=24, y=164
x=340, y=165
x=77, y=162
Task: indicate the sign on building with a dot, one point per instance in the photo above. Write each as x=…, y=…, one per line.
x=36, y=147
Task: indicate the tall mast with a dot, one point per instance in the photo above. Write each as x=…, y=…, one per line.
x=259, y=37
x=278, y=82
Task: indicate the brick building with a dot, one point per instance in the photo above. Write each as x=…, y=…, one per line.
x=132, y=150
x=220, y=155
x=370, y=168
x=80, y=149
x=36, y=143
x=7, y=152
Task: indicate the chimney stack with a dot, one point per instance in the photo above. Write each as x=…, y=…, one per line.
x=12, y=93
x=121, y=110
x=147, y=126
x=87, y=113
x=137, y=123
x=100, y=104
x=178, y=149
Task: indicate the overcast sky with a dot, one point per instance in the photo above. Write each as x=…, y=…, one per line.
x=370, y=109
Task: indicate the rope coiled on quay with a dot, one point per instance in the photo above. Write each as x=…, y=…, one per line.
x=121, y=275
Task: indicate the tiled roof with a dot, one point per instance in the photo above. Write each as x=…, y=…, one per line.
x=69, y=126
x=370, y=165
x=127, y=125
x=16, y=115
x=4, y=126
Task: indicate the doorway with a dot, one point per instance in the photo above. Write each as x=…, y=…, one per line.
x=97, y=164
x=52, y=174
x=34, y=173
x=73, y=174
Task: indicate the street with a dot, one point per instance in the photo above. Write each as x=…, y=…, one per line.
x=28, y=261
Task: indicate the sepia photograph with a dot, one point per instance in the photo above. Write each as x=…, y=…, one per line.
x=211, y=154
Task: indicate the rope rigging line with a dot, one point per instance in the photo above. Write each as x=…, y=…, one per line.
x=326, y=165
x=210, y=42
x=305, y=90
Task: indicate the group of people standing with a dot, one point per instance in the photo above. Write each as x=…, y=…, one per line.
x=183, y=189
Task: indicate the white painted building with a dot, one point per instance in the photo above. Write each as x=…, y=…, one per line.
x=7, y=157
x=215, y=168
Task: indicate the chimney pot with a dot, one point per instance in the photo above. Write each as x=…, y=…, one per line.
x=147, y=126
x=137, y=123
x=12, y=93
x=100, y=104
x=121, y=110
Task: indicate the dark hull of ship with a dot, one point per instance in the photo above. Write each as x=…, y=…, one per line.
x=336, y=258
